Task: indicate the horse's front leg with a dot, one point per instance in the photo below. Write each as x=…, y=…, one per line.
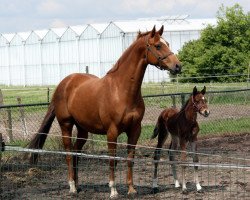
x=112, y=143
x=195, y=160
x=133, y=136
x=183, y=145
x=172, y=150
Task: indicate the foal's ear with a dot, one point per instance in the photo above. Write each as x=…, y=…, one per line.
x=152, y=34
x=161, y=30
x=203, y=91
x=195, y=91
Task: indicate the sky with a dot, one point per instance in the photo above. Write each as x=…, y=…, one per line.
x=27, y=15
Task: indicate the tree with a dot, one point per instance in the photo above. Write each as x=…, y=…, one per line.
x=222, y=52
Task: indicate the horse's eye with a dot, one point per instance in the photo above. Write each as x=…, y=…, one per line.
x=158, y=47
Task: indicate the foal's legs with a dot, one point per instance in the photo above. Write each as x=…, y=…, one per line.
x=173, y=148
x=195, y=160
x=183, y=145
x=163, y=135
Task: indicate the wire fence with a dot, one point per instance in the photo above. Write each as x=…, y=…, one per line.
x=224, y=161
x=222, y=175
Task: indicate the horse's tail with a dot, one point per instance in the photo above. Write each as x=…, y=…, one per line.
x=159, y=127
x=39, y=138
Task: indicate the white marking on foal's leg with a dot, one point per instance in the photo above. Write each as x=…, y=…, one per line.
x=196, y=179
x=72, y=187
x=176, y=183
x=155, y=183
x=184, y=187
x=114, y=192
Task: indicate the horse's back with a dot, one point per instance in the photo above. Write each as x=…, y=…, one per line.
x=168, y=113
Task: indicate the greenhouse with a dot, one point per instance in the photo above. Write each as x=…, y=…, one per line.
x=44, y=57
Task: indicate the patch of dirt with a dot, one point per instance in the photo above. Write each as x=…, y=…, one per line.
x=226, y=176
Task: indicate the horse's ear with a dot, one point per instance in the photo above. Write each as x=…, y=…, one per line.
x=161, y=30
x=152, y=34
x=195, y=91
x=203, y=91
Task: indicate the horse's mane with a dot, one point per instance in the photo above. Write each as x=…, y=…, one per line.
x=140, y=34
x=116, y=66
x=185, y=105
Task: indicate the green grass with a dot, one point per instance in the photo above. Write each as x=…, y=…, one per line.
x=36, y=94
x=225, y=126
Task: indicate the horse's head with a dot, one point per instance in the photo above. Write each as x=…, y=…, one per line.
x=159, y=54
x=199, y=101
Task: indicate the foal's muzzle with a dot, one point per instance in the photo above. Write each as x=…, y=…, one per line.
x=206, y=113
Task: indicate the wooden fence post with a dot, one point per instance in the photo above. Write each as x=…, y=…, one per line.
x=182, y=99
x=23, y=120
x=173, y=101
x=7, y=119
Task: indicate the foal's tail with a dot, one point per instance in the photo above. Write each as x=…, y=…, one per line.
x=159, y=127
x=39, y=138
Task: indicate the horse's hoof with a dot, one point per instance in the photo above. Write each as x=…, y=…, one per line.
x=185, y=191
x=200, y=190
x=155, y=190
x=132, y=192
x=114, y=196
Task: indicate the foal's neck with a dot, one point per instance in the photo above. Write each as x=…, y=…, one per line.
x=190, y=112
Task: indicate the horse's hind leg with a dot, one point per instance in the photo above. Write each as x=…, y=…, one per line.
x=163, y=135
x=81, y=139
x=172, y=149
x=112, y=143
x=183, y=144
x=66, y=128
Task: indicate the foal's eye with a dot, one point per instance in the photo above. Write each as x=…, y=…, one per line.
x=158, y=47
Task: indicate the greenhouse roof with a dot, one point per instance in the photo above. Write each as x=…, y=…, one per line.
x=171, y=23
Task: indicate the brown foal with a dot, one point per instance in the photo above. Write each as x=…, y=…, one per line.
x=183, y=127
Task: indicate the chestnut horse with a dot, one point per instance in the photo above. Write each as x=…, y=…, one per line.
x=109, y=106
x=183, y=127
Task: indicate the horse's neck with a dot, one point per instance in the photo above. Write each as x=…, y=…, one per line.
x=129, y=71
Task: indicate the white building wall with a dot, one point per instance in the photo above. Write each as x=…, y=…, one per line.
x=50, y=59
x=45, y=57
x=4, y=64
x=32, y=60
x=110, y=47
x=89, y=51
x=16, y=61
x=68, y=53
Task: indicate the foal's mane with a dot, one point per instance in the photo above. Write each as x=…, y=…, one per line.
x=116, y=66
x=185, y=105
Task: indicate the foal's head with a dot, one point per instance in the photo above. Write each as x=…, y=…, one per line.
x=159, y=54
x=199, y=101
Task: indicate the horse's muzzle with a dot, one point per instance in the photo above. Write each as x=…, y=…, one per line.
x=177, y=70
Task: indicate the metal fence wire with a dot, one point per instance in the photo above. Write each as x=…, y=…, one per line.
x=224, y=170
